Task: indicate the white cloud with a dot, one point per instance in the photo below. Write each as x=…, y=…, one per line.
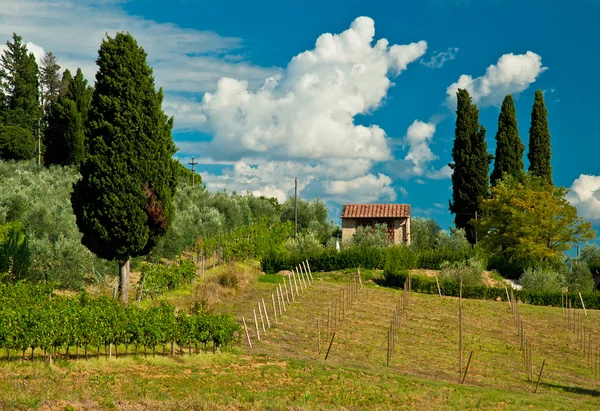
x=441, y=174
x=183, y=59
x=585, y=195
x=512, y=73
x=307, y=112
x=440, y=58
x=418, y=137
x=364, y=189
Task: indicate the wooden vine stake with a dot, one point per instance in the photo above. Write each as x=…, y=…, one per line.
x=582, y=304
x=256, y=324
x=274, y=310
x=467, y=369
x=460, y=336
x=286, y=290
x=438, y=285
x=318, y=338
x=266, y=314
x=539, y=376
x=330, y=344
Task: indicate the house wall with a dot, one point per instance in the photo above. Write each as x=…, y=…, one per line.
x=401, y=230
x=348, y=229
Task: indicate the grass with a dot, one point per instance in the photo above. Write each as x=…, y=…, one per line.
x=285, y=370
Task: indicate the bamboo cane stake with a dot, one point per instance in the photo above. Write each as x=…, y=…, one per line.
x=266, y=314
x=274, y=310
x=247, y=334
x=256, y=324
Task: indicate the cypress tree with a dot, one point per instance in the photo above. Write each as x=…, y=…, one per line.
x=509, y=148
x=80, y=92
x=19, y=86
x=64, y=137
x=471, y=165
x=539, y=140
x=124, y=201
x=50, y=81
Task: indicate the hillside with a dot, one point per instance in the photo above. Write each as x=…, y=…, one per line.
x=286, y=370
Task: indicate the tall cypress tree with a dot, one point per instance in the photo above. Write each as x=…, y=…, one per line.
x=471, y=165
x=19, y=86
x=124, y=201
x=64, y=136
x=509, y=147
x=539, y=140
x=80, y=92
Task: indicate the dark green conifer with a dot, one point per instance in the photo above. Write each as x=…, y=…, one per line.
x=509, y=147
x=124, y=201
x=540, y=152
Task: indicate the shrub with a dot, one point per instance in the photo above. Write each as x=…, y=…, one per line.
x=470, y=272
x=16, y=143
x=578, y=278
x=306, y=244
x=542, y=279
x=371, y=237
x=15, y=255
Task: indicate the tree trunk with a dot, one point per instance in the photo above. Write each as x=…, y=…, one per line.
x=124, y=281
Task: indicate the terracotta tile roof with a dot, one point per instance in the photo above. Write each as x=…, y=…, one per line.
x=375, y=211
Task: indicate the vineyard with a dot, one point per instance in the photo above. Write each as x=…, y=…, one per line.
x=31, y=318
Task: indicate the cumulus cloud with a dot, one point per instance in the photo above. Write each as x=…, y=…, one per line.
x=440, y=58
x=364, y=189
x=585, y=195
x=307, y=112
x=512, y=73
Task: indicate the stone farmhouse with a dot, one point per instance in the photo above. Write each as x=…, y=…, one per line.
x=395, y=216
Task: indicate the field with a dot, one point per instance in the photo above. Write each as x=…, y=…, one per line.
x=286, y=370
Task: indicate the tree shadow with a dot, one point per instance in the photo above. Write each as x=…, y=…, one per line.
x=574, y=390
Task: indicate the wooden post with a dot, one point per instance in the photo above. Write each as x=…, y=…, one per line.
x=582, y=304
x=318, y=338
x=304, y=276
x=438, y=285
x=274, y=310
x=508, y=297
x=266, y=314
x=460, y=339
x=540, y=376
x=330, y=344
x=309, y=270
x=359, y=279
x=467, y=369
x=247, y=334
x=261, y=318
x=389, y=342
x=286, y=290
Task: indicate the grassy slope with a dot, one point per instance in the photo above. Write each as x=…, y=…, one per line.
x=285, y=370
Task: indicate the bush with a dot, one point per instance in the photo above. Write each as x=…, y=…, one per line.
x=470, y=272
x=159, y=278
x=15, y=255
x=578, y=278
x=542, y=279
x=306, y=244
x=433, y=259
x=16, y=143
x=371, y=237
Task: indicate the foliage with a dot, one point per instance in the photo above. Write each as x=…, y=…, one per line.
x=456, y=240
x=29, y=319
x=469, y=271
x=371, y=237
x=124, y=200
x=530, y=220
x=311, y=215
x=38, y=200
x=15, y=255
x=16, y=143
x=509, y=147
x=591, y=256
x=540, y=152
x=578, y=278
x=306, y=244
x=423, y=233
x=50, y=81
x=64, y=138
x=19, y=86
x=542, y=279
x=470, y=166
x=159, y=278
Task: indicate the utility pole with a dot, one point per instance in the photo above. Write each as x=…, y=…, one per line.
x=193, y=174
x=37, y=132
x=296, y=206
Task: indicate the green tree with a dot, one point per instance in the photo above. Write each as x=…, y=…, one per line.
x=81, y=93
x=64, y=138
x=124, y=201
x=16, y=143
x=470, y=167
x=50, y=81
x=531, y=221
x=423, y=233
x=311, y=215
x=19, y=86
x=539, y=140
x=509, y=148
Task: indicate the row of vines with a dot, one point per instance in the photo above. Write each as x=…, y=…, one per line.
x=31, y=318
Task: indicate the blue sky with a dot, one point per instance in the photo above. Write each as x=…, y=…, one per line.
x=355, y=120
